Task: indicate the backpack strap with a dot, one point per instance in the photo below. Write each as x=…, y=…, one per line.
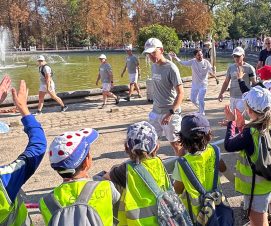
x=191, y=175
x=51, y=203
x=217, y=152
x=147, y=178
x=42, y=70
x=87, y=192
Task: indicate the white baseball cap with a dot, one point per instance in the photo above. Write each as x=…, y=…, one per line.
x=129, y=47
x=151, y=44
x=102, y=56
x=41, y=58
x=239, y=51
x=258, y=99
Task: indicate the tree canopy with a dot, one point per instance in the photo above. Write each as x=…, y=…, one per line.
x=72, y=23
x=166, y=35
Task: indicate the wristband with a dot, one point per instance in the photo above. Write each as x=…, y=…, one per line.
x=171, y=111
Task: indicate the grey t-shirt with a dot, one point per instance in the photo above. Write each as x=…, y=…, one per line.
x=132, y=63
x=232, y=71
x=165, y=78
x=46, y=70
x=200, y=70
x=105, y=70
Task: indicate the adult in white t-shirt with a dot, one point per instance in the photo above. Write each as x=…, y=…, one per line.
x=200, y=70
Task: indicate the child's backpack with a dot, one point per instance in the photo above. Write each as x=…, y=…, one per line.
x=262, y=166
x=79, y=213
x=214, y=208
x=170, y=210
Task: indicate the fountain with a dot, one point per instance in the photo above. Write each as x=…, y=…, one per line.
x=4, y=42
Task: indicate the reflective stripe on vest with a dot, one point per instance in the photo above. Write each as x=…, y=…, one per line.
x=12, y=214
x=243, y=177
x=203, y=166
x=142, y=213
x=138, y=203
x=101, y=200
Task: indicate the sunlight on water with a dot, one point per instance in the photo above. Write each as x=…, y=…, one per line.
x=77, y=71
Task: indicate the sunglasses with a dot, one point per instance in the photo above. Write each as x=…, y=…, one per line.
x=267, y=43
x=236, y=56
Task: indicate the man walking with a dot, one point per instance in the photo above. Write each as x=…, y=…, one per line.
x=236, y=101
x=47, y=85
x=201, y=68
x=132, y=64
x=167, y=94
x=106, y=76
x=264, y=53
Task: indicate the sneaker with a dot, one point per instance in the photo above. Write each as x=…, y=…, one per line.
x=139, y=96
x=63, y=109
x=117, y=99
x=38, y=112
x=102, y=106
x=127, y=98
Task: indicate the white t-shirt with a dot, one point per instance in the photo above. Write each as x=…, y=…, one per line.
x=200, y=70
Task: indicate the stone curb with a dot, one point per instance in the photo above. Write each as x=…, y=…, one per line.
x=89, y=92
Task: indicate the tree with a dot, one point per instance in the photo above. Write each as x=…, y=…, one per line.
x=166, y=35
x=223, y=19
x=192, y=17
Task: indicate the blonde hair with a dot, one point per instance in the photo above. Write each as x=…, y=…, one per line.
x=263, y=121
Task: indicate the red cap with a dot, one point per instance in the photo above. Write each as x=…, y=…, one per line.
x=265, y=72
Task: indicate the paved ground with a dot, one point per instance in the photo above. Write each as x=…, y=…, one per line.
x=111, y=122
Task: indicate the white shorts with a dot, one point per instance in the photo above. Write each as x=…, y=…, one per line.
x=259, y=204
x=133, y=77
x=168, y=130
x=238, y=104
x=43, y=87
x=106, y=87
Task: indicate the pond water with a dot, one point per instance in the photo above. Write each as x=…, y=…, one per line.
x=78, y=71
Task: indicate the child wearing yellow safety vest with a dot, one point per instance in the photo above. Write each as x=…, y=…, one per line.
x=14, y=175
x=245, y=138
x=138, y=203
x=195, y=136
x=70, y=156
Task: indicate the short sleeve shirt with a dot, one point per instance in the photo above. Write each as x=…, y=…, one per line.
x=132, y=63
x=263, y=55
x=232, y=71
x=165, y=78
x=105, y=70
x=46, y=70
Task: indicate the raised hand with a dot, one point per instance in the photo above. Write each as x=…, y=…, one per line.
x=229, y=114
x=239, y=118
x=240, y=72
x=4, y=87
x=20, y=98
x=172, y=54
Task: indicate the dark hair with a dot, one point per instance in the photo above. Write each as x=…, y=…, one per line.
x=69, y=175
x=196, y=142
x=196, y=51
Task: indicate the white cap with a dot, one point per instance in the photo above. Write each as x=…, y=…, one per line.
x=151, y=44
x=129, y=47
x=239, y=51
x=258, y=99
x=102, y=56
x=41, y=58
